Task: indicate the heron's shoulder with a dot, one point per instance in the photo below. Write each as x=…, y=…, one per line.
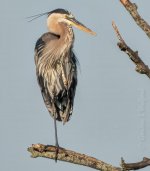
x=46, y=37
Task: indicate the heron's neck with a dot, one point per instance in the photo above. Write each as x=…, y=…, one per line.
x=67, y=35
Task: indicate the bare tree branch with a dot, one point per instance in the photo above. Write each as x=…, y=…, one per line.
x=48, y=151
x=132, y=9
x=133, y=55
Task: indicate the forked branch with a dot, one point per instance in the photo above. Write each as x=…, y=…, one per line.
x=49, y=151
x=135, y=166
x=133, y=55
x=132, y=9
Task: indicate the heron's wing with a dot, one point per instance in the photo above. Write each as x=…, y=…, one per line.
x=57, y=80
x=45, y=76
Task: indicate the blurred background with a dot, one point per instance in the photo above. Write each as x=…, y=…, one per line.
x=112, y=105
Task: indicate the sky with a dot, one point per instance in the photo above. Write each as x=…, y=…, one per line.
x=112, y=104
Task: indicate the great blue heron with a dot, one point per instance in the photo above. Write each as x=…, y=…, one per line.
x=55, y=62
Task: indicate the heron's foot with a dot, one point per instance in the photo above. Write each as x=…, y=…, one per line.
x=57, y=151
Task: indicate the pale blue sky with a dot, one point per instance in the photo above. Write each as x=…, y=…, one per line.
x=112, y=105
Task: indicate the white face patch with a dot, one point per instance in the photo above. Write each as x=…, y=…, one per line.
x=71, y=16
x=63, y=20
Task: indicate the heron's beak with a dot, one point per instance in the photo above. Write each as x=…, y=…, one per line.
x=80, y=26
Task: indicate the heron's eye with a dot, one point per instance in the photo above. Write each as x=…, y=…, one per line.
x=71, y=16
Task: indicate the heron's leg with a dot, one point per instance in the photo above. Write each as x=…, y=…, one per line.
x=56, y=137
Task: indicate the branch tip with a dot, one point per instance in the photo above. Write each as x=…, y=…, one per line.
x=124, y=2
x=117, y=32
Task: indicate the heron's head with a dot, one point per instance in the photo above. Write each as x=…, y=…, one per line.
x=63, y=16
